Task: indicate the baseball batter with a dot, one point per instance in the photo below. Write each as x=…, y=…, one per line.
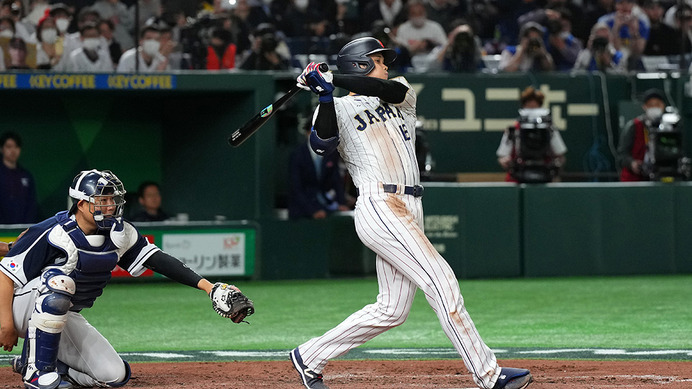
x=60, y=266
x=373, y=128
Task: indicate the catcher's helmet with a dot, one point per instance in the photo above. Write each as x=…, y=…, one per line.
x=104, y=191
x=353, y=57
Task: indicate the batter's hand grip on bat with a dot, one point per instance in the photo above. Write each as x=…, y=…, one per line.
x=251, y=126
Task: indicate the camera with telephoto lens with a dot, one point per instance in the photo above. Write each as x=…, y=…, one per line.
x=534, y=45
x=463, y=42
x=599, y=44
x=664, y=159
x=268, y=42
x=533, y=162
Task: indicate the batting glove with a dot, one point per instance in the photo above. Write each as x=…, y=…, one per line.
x=321, y=83
x=301, y=81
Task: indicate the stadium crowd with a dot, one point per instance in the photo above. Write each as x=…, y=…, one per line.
x=429, y=35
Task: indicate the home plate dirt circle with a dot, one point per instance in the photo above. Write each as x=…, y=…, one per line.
x=400, y=374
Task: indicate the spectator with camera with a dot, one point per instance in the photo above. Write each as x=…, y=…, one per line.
x=629, y=28
x=264, y=54
x=560, y=43
x=532, y=150
x=599, y=54
x=462, y=52
x=635, y=136
x=530, y=54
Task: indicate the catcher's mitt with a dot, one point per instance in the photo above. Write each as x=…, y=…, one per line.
x=230, y=303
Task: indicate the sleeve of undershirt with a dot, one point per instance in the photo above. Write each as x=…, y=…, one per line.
x=389, y=91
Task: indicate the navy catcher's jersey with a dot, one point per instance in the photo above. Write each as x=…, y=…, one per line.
x=58, y=242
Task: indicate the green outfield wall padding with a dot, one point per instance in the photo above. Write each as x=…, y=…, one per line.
x=475, y=227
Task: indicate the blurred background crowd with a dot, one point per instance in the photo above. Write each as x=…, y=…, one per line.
x=429, y=35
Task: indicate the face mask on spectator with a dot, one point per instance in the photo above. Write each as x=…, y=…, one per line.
x=151, y=47
x=49, y=35
x=417, y=21
x=91, y=43
x=301, y=4
x=6, y=33
x=654, y=113
x=62, y=24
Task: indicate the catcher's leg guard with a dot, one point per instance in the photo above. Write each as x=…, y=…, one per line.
x=46, y=324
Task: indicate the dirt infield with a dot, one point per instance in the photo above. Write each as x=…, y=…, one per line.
x=438, y=374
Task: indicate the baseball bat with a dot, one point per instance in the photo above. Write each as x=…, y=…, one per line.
x=251, y=126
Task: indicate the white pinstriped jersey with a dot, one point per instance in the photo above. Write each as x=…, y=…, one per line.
x=378, y=139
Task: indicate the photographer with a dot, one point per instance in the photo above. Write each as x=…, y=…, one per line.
x=462, y=52
x=530, y=54
x=532, y=150
x=634, y=138
x=264, y=54
x=599, y=54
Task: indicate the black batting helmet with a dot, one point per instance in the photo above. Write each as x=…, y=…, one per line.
x=353, y=57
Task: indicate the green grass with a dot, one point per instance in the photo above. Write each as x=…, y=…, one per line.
x=622, y=312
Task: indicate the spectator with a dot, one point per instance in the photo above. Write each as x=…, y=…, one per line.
x=392, y=12
x=18, y=53
x=18, y=195
x=264, y=54
x=629, y=29
x=170, y=48
x=150, y=59
x=122, y=17
x=48, y=53
x=114, y=49
x=63, y=17
x=634, y=136
x=599, y=54
x=462, y=52
x=420, y=36
x=562, y=46
x=221, y=52
x=15, y=10
x=537, y=153
x=90, y=57
x=530, y=54
x=663, y=39
x=6, y=27
x=149, y=194
x=316, y=187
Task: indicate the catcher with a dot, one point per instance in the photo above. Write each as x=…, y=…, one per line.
x=61, y=265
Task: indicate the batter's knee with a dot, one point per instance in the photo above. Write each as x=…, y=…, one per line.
x=391, y=316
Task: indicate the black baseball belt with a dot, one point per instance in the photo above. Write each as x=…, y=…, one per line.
x=415, y=191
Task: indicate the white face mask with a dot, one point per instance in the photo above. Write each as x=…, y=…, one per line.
x=6, y=33
x=62, y=24
x=654, y=113
x=301, y=4
x=49, y=35
x=417, y=21
x=91, y=43
x=151, y=47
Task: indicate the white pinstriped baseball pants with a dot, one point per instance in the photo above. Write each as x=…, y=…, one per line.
x=391, y=225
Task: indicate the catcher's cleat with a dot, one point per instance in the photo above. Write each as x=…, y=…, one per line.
x=46, y=380
x=310, y=379
x=511, y=378
x=18, y=365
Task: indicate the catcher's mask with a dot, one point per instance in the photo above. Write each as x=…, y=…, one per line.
x=104, y=192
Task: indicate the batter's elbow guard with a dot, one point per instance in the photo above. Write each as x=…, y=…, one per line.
x=321, y=146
